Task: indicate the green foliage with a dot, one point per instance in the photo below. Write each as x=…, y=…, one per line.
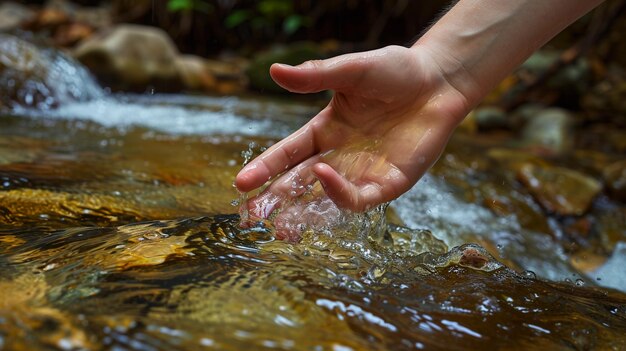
x=190, y=5
x=237, y=17
x=268, y=15
x=292, y=23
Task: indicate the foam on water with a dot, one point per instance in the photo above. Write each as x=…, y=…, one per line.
x=432, y=204
x=611, y=274
x=170, y=116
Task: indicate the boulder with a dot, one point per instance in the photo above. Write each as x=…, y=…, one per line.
x=195, y=74
x=559, y=190
x=549, y=129
x=210, y=76
x=615, y=179
x=132, y=57
x=13, y=14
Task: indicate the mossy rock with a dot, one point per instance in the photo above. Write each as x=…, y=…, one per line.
x=259, y=70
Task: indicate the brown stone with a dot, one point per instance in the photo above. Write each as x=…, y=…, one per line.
x=611, y=227
x=13, y=14
x=195, y=73
x=132, y=57
x=559, y=190
x=615, y=178
x=71, y=34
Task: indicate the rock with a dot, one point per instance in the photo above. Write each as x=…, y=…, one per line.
x=491, y=117
x=71, y=34
x=615, y=178
x=229, y=74
x=32, y=76
x=48, y=19
x=559, y=190
x=210, y=76
x=513, y=158
x=194, y=73
x=132, y=57
x=611, y=227
x=591, y=162
x=550, y=129
x=13, y=14
x=258, y=71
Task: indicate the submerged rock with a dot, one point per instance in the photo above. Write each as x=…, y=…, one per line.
x=559, y=190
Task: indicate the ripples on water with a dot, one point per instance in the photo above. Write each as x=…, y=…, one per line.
x=87, y=261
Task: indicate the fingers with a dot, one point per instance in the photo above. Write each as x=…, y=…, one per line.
x=290, y=185
x=364, y=196
x=277, y=159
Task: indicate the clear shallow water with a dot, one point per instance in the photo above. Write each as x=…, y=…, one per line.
x=114, y=236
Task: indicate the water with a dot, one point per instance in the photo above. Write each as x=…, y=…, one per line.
x=115, y=234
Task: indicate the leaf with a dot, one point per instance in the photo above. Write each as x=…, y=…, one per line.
x=292, y=23
x=187, y=5
x=275, y=8
x=202, y=6
x=179, y=5
x=236, y=18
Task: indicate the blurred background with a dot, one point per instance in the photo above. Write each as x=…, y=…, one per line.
x=225, y=46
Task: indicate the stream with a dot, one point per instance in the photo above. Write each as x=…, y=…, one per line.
x=118, y=232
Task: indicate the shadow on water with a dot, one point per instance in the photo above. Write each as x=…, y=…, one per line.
x=87, y=260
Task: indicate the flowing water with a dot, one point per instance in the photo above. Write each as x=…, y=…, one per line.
x=116, y=233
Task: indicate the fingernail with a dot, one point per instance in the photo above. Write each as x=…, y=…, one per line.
x=284, y=65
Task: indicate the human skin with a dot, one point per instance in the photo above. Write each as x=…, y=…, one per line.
x=394, y=109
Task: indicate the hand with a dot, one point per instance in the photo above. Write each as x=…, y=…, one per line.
x=389, y=119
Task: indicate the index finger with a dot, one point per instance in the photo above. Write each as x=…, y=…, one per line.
x=281, y=157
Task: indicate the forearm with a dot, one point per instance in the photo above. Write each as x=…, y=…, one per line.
x=478, y=42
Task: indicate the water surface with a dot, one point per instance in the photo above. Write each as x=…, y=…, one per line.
x=117, y=232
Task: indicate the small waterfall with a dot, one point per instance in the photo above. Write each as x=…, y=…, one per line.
x=40, y=77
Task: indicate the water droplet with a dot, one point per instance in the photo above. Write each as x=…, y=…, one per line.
x=49, y=266
x=580, y=282
x=235, y=202
x=529, y=275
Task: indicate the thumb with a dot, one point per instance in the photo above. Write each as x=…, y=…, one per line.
x=314, y=76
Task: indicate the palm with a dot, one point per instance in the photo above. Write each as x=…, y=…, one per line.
x=386, y=124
